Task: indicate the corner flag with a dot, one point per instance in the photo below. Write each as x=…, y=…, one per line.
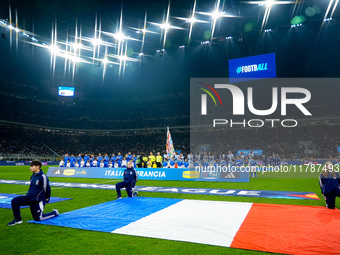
x=169, y=145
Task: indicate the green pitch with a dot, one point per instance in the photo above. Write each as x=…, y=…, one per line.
x=42, y=239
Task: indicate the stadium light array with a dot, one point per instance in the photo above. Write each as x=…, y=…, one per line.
x=229, y=37
x=141, y=31
x=77, y=46
x=120, y=36
x=165, y=26
x=205, y=42
x=296, y=25
x=270, y=2
x=327, y=19
x=181, y=46
x=123, y=58
x=267, y=30
x=141, y=54
x=96, y=41
x=217, y=14
x=54, y=49
x=192, y=20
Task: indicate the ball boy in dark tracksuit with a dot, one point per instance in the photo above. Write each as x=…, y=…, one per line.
x=130, y=179
x=329, y=181
x=37, y=196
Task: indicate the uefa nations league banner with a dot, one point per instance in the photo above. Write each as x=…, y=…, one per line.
x=26, y=163
x=164, y=174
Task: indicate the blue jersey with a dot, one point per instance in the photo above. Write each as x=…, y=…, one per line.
x=186, y=164
x=165, y=164
x=86, y=159
x=79, y=159
x=39, y=189
x=120, y=157
x=100, y=159
x=113, y=158
x=66, y=158
x=252, y=162
x=239, y=162
x=179, y=163
x=73, y=160
x=130, y=175
x=129, y=157
x=329, y=183
x=106, y=159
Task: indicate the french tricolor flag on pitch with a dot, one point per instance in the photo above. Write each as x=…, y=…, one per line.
x=286, y=229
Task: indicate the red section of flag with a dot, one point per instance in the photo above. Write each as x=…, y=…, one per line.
x=290, y=229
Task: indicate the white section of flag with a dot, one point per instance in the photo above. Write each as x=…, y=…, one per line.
x=206, y=222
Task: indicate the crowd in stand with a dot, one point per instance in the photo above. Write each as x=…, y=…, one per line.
x=35, y=104
x=285, y=142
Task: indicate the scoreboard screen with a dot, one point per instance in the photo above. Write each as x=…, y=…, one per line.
x=252, y=68
x=66, y=91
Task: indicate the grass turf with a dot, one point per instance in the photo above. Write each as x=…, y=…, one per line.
x=43, y=239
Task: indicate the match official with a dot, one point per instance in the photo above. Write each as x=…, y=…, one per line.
x=130, y=179
x=37, y=196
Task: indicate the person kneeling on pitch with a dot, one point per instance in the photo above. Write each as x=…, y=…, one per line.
x=130, y=179
x=329, y=181
x=37, y=196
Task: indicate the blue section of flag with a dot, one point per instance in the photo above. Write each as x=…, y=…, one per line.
x=5, y=200
x=112, y=215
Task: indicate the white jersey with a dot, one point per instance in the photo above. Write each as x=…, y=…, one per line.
x=124, y=163
x=61, y=163
x=230, y=157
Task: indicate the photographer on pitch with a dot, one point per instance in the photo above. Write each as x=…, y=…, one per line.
x=37, y=196
x=130, y=179
x=329, y=181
